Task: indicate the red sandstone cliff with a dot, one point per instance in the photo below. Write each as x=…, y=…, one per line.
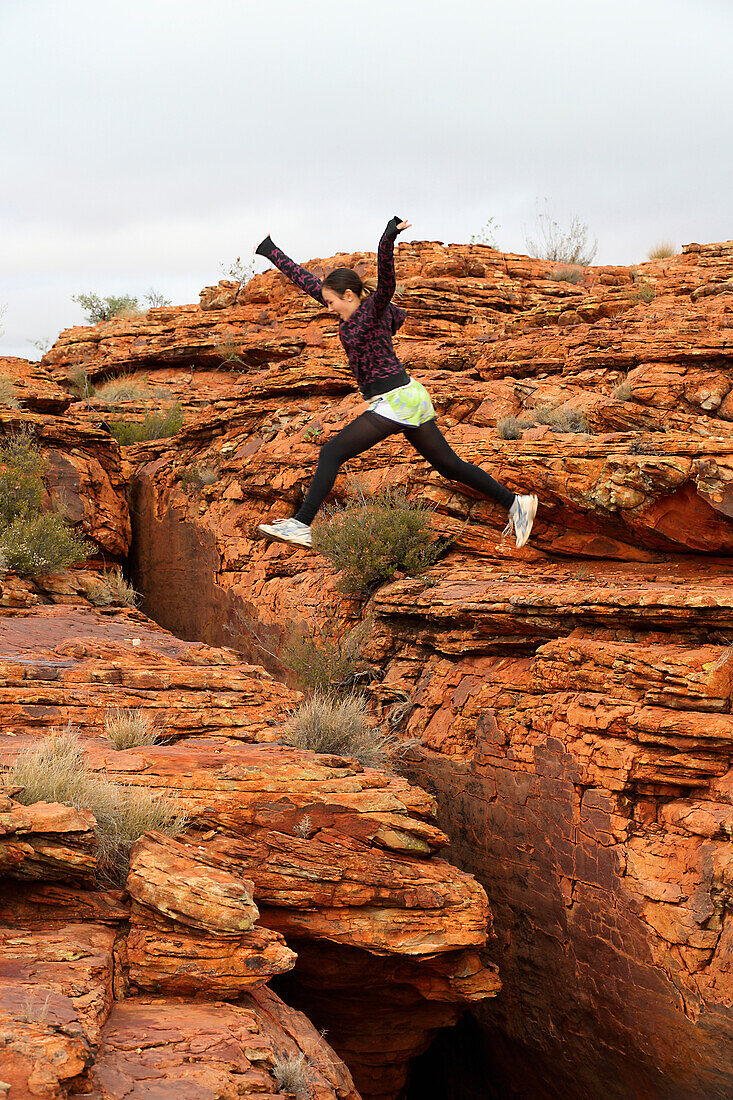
x=573, y=700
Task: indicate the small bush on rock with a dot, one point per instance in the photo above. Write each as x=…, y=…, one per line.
x=153, y=426
x=339, y=727
x=568, y=275
x=56, y=770
x=127, y=729
x=127, y=388
x=371, y=539
x=31, y=541
x=113, y=589
x=328, y=659
x=508, y=427
x=294, y=1074
x=560, y=420
x=661, y=251
x=623, y=391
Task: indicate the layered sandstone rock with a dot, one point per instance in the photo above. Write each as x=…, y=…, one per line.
x=573, y=699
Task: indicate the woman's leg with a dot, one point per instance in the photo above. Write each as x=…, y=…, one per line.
x=353, y=440
x=430, y=442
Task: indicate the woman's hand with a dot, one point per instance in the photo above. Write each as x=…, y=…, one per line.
x=404, y=225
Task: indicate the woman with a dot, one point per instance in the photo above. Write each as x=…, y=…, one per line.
x=397, y=403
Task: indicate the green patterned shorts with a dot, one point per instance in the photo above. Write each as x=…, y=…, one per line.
x=409, y=405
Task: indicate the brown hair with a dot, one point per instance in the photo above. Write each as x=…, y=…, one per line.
x=344, y=278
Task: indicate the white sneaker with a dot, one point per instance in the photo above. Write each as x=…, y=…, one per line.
x=287, y=530
x=521, y=518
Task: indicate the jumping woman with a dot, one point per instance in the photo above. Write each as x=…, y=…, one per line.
x=397, y=403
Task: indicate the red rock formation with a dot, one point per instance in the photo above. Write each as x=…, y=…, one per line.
x=573, y=699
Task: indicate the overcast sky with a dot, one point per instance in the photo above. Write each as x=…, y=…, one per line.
x=146, y=144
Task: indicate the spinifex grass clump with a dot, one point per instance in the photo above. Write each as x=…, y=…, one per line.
x=154, y=426
x=112, y=588
x=127, y=729
x=31, y=541
x=372, y=538
x=56, y=770
x=339, y=727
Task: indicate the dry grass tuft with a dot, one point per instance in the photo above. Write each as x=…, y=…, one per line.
x=113, y=589
x=560, y=420
x=662, y=251
x=56, y=770
x=339, y=727
x=509, y=427
x=623, y=391
x=127, y=388
x=294, y=1074
x=128, y=728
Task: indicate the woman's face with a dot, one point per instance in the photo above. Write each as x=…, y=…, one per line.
x=344, y=306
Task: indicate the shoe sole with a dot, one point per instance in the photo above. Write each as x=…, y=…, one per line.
x=531, y=524
x=279, y=538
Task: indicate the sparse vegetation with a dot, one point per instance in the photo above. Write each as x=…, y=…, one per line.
x=56, y=770
x=645, y=293
x=7, y=392
x=371, y=539
x=568, y=275
x=128, y=728
x=40, y=345
x=559, y=420
x=294, y=1074
x=509, y=427
x=566, y=246
x=623, y=391
x=78, y=379
x=486, y=234
x=304, y=827
x=328, y=658
x=641, y=447
x=661, y=251
x=339, y=727
x=127, y=388
x=31, y=541
x=97, y=309
x=239, y=272
x=228, y=351
x=154, y=426
x=196, y=477
x=113, y=589
x=35, y=1009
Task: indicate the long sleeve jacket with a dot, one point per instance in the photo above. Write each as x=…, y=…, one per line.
x=367, y=335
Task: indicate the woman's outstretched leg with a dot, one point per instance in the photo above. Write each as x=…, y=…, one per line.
x=430, y=442
x=357, y=437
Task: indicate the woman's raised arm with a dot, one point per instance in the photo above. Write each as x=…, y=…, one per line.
x=302, y=278
x=386, y=281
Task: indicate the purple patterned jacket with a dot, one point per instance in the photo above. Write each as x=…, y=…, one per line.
x=367, y=335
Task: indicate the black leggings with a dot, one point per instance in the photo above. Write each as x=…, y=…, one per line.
x=428, y=440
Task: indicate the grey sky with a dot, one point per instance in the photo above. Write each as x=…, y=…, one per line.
x=144, y=145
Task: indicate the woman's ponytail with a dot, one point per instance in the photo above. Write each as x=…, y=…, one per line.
x=368, y=286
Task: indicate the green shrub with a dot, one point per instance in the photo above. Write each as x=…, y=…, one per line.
x=371, y=539
x=508, y=427
x=339, y=727
x=31, y=541
x=98, y=309
x=7, y=393
x=112, y=588
x=56, y=771
x=661, y=251
x=153, y=426
x=41, y=544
